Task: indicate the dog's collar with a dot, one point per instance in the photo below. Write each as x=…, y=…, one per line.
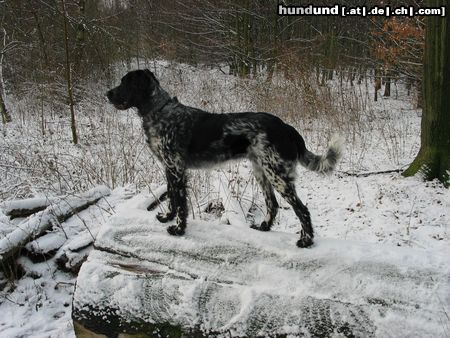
x=160, y=107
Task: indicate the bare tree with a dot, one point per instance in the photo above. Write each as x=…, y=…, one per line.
x=5, y=47
x=69, y=76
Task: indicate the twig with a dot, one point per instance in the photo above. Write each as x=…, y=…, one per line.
x=346, y=173
x=410, y=217
x=359, y=194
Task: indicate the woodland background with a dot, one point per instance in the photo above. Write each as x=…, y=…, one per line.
x=247, y=36
x=358, y=77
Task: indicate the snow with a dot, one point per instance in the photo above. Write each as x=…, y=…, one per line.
x=5, y=224
x=39, y=304
x=47, y=243
x=227, y=278
x=382, y=241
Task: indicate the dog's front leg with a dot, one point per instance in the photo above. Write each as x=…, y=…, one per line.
x=165, y=217
x=179, y=201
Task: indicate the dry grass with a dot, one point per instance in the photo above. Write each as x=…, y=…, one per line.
x=37, y=156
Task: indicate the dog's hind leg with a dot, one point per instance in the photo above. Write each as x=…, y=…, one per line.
x=283, y=183
x=269, y=196
x=165, y=217
x=306, y=234
x=179, y=201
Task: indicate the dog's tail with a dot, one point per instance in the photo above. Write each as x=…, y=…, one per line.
x=321, y=163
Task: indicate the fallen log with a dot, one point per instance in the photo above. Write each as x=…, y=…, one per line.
x=27, y=207
x=45, y=247
x=229, y=280
x=71, y=261
x=54, y=214
x=74, y=253
x=6, y=226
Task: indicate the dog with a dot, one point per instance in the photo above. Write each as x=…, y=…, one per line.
x=183, y=137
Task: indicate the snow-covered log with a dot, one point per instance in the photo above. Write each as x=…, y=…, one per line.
x=45, y=246
x=40, y=222
x=26, y=207
x=70, y=257
x=229, y=280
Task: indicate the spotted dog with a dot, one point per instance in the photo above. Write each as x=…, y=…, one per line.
x=184, y=137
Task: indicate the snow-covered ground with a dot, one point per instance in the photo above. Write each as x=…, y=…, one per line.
x=380, y=209
x=226, y=278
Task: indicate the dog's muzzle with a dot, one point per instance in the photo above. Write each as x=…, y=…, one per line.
x=118, y=104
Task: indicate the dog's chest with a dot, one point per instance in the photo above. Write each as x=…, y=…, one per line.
x=167, y=138
x=154, y=141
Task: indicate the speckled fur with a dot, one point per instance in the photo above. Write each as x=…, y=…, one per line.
x=184, y=137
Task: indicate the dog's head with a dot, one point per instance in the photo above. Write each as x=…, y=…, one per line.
x=135, y=90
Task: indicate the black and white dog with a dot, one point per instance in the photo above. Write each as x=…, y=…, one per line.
x=184, y=137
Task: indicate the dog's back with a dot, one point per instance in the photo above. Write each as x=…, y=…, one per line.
x=216, y=138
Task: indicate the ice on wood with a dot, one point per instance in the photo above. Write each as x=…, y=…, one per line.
x=229, y=279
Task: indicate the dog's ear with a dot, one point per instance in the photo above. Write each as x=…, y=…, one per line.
x=151, y=75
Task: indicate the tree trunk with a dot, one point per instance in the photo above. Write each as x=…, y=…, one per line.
x=41, y=39
x=377, y=84
x=387, y=86
x=434, y=155
x=141, y=282
x=80, y=36
x=6, y=117
x=420, y=90
x=69, y=77
x=5, y=114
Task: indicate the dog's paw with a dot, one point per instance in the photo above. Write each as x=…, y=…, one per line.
x=165, y=217
x=263, y=227
x=175, y=230
x=305, y=241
